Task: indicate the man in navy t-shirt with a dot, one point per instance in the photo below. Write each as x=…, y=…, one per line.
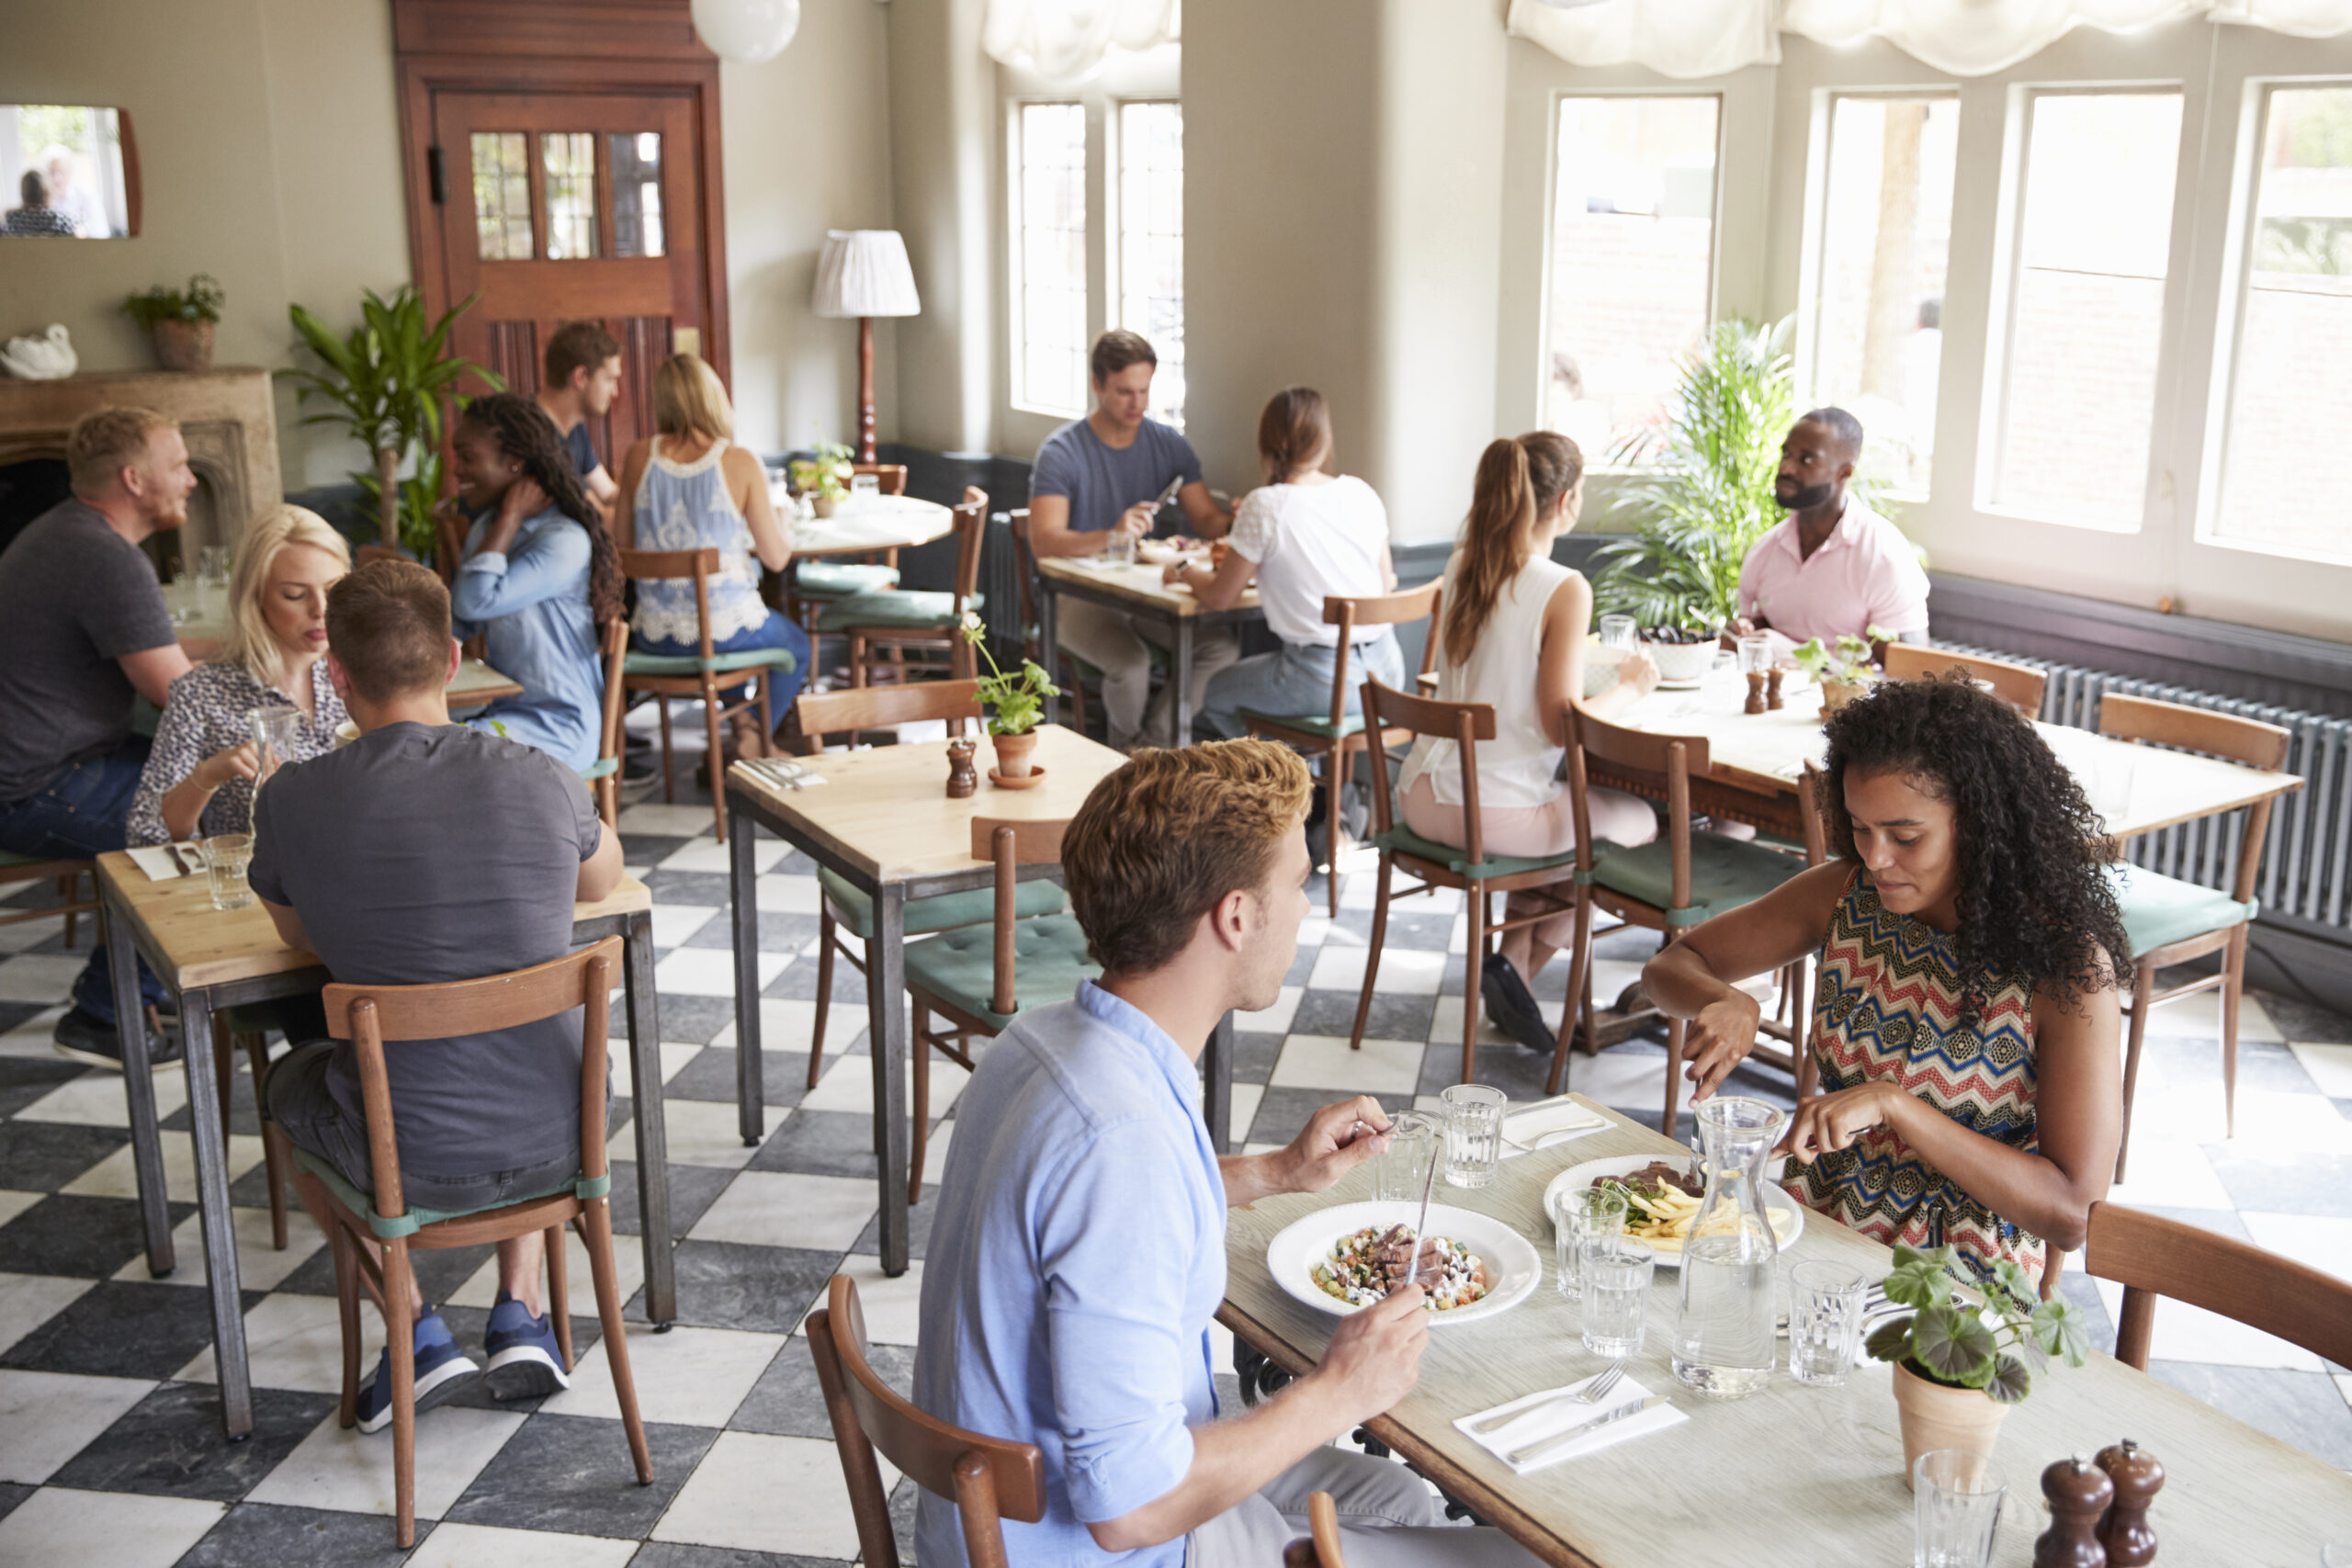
x=583, y=376
x=1098, y=476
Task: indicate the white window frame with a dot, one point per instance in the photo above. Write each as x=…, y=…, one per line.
x=1016, y=290
x=1114, y=229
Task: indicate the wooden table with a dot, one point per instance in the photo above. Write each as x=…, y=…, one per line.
x=1791, y=1477
x=476, y=684
x=868, y=527
x=1137, y=590
x=882, y=819
x=216, y=958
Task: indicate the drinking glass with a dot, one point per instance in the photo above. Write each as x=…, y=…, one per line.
x=1121, y=550
x=226, y=856
x=276, y=731
x=1474, y=1133
x=1619, y=632
x=1581, y=1218
x=212, y=578
x=1755, y=655
x=1402, y=1175
x=1825, y=1322
x=1956, y=1502
x=1617, y=1272
x=2336, y=1554
x=865, y=488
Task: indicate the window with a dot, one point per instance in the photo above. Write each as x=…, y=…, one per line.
x=1151, y=244
x=2288, y=463
x=570, y=159
x=1049, y=324
x=501, y=194
x=2084, y=312
x=1630, y=278
x=635, y=158
x=1876, y=333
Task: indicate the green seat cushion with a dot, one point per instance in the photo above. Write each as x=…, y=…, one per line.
x=1311, y=723
x=897, y=607
x=824, y=580
x=1724, y=872
x=959, y=966
x=693, y=664
x=940, y=913
x=1404, y=841
x=582, y=1187
x=2159, y=910
x=598, y=769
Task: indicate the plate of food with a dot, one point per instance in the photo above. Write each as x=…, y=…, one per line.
x=1343, y=1258
x=1662, y=1199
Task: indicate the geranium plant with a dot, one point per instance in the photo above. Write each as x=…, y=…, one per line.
x=1997, y=1346
x=827, y=474
x=1845, y=663
x=1015, y=700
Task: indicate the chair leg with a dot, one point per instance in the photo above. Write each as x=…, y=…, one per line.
x=2143, y=985
x=347, y=1297
x=919, y=1047
x=826, y=942
x=400, y=1341
x=669, y=769
x=1335, y=834
x=2233, y=990
x=718, y=762
x=278, y=1155
x=1674, y=1035
x=856, y=660
x=559, y=1294
x=1371, y=953
x=1579, y=977
x=599, y=1222
x=66, y=887
x=1470, y=977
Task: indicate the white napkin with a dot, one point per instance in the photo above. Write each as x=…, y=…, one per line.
x=1552, y=1418
x=1561, y=1123
x=156, y=860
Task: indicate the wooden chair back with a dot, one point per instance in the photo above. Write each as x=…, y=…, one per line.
x=608, y=740
x=1321, y=1547
x=892, y=475
x=971, y=527
x=1661, y=762
x=2247, y=741
x=1012, y=844
x=2020, y=685
x=371, y=1016
x=2153, y=1257
x=1025, y=561
x=1464, y=724
x=367, y=553
x=991, y=1479
x=1376, y=610
x=884, y=707
x=664, y=565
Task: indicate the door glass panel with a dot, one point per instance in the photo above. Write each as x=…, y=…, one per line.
x=502, y=195
x=571, y=160
x=636, y=159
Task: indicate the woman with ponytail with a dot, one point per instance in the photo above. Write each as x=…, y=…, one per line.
x=1512, y=633
x=540, y=576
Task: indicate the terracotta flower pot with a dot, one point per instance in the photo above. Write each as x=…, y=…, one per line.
x=1012, y=754
x=1934, y=1417
x=184, y=346
x=1836, y=694
x=821, y=504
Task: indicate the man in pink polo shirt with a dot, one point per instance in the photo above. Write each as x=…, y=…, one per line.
x=1835, y=567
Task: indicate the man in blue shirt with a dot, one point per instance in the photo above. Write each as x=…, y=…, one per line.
x=1097, y=477
x=1079, y=1253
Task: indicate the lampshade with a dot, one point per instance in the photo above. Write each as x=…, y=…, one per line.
x=863, y=272
x=746, y=30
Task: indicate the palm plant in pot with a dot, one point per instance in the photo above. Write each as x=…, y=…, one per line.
x=1015, y=702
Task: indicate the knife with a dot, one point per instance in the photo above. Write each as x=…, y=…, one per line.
x=1582, y=1428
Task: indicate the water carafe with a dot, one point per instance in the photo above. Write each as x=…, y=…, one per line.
x=1724, y=1334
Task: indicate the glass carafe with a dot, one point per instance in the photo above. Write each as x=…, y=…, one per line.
x=1723, y=1335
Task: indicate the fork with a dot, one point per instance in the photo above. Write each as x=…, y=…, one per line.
x=1592, y=1392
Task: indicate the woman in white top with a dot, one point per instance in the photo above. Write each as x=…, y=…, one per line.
x=1306, y=533
x=1513, y=635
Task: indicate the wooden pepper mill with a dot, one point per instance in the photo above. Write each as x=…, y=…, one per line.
x=963, y=775
x=2138, y=1475
x=2079, y=1493
x=1755, y=691
x=1773, y=700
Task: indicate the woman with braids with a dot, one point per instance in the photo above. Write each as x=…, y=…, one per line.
x=1512, y=633
x=1967, y=1023
x=540, y=576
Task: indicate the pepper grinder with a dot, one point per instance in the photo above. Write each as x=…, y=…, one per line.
x=963, y=775
x=1755, y=691
x=1772, y=701
x=2138, y=1475
x=2079, y=1493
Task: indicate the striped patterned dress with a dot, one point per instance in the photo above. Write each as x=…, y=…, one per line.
x=1888, y=1008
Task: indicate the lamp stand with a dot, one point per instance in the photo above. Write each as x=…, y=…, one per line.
x=865, y=388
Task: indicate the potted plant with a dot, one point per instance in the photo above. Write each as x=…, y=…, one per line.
x=1843, y=670
x=823, y=478
x=1959, y=1366
x=181, y=322
x=1015, y=703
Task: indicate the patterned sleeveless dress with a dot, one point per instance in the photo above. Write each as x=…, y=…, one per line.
x=1888, y=1008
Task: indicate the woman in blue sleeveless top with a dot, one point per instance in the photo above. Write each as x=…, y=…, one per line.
x=690, y=486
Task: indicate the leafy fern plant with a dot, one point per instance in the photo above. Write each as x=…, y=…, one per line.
x=1996, y=1348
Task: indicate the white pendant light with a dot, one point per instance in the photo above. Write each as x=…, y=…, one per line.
x=746, y=30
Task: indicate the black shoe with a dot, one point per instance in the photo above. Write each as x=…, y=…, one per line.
x=80, y=1036
x=1512, y=1006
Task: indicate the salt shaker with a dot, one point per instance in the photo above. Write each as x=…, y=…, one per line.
x=963, y=775
x=1755, y=691
x=2079, y=1493
x=1772, y=696
x=2138, y=1475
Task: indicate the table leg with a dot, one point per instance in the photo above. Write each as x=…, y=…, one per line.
x=138, y=1086
x=743, y=886
x=212, y=1207
x=653, y=1133
x=1048, y=639
x=1216, y=1081
x=1179, y=700
x=886, y=982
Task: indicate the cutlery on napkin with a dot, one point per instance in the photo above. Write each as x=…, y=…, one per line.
x=163, y=862
x=1545, y=1122
x=1524, y=1445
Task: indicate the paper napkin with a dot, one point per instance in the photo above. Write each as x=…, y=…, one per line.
x=1548, y=1415
x=1559, y=1121
x=156, y=860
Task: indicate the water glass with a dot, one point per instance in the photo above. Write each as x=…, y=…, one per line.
x=1617, y=1271
x=226, y=856
x=1825, y=1322
x=1755, y=655
x=276, y=730
x=1581, y=1218
x=865, y=488
x=1120, y=548
x=2336, y=1554
x=1956, y=1501
x=1619, y=632
x=1474, y=1133
x=1402, y=1175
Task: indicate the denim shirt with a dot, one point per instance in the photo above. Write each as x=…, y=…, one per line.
x=531, y=606
x=1075, y=1263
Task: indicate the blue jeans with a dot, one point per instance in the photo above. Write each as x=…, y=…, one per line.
x=78, y=814
x=1296, y=683
x=774, y=632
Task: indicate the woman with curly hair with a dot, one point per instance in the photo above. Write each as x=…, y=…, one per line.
x=1966, y=1028
x=539, y=577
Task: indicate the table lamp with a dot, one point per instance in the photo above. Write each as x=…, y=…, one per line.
x=864, y=273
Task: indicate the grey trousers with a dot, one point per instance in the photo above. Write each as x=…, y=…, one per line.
x=1118, y=645
x=1388, y=1519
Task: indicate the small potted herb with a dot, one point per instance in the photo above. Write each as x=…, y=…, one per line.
x=823, y=478
x=1843, y=670
x=181, y=321
x=1015, y=703
x=1959, y=1366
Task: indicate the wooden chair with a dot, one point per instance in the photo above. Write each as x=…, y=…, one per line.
x=1033, y=630
x=667, y=676
x=602, y=777
x=814, y=583
x=1320, y=1550
x=370, y=1016
x=67, y=873
x=991, y=1479
x=2155, y=1257
x=2020, y=685
x=1336, y=738
x=979, y=977
x=897, y=619
x=842, y=905
x=2170, y=921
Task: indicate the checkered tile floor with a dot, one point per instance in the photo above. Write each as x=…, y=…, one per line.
x=104, y=1372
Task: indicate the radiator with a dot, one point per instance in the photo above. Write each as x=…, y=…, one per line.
x=2306, y=857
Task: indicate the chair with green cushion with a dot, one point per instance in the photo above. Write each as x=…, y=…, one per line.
x=811, y=583
x=359, y=1227
x=2170, y=921
x=1073, y=684
x=979, y=977
x=897, y=619
x=1337, y=737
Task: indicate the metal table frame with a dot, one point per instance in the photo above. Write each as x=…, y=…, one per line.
x=1179, y=633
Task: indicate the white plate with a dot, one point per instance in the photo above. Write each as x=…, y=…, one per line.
x=1513, y=1267
x=1692, y=684
x=1670, y=1253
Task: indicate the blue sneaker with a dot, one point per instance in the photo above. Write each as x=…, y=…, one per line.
x=441, y=1370
x=525, y=1360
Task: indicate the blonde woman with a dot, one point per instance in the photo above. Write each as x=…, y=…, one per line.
x=200, y=773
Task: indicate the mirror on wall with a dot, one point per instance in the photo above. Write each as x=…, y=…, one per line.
x=70, y=172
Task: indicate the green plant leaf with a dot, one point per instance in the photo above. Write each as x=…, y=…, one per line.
x=1920, y=1280
x=2010, y=1382
x=1890, y=1341
x=2063, y=1329
x=1953, y=1344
